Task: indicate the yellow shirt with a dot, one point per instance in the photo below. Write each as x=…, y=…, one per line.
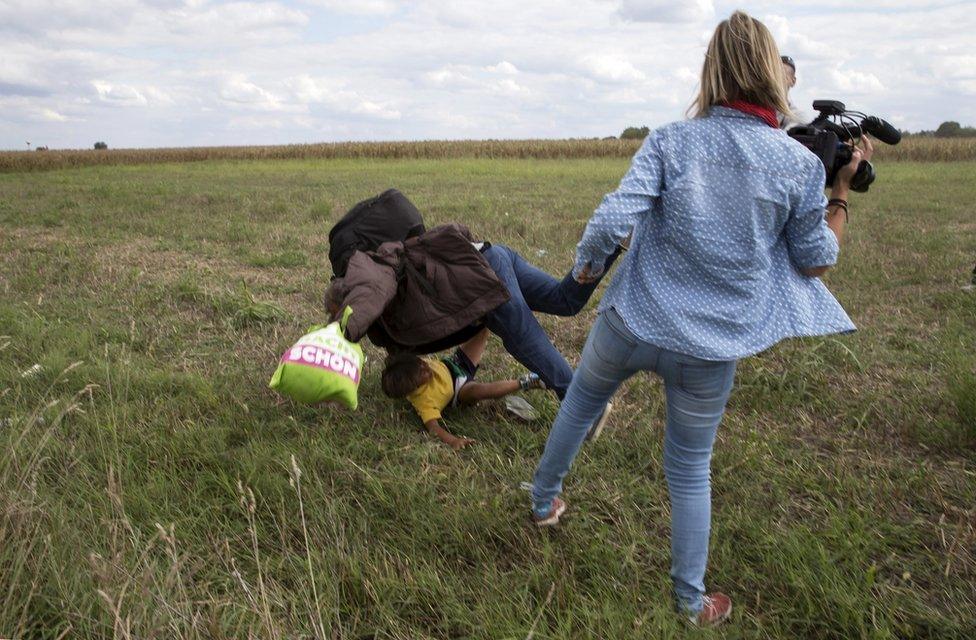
x=435, y=395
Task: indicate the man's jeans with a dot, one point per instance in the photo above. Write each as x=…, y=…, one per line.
x=696, y=391
x=533, y=290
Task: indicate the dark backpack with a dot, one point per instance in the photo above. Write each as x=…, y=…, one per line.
x=388, y=217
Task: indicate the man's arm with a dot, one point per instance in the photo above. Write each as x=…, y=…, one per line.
x=369, y=285
x=445, y=436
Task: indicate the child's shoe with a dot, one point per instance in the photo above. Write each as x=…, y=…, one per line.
x=557, y=509
x=716, y=609
x=531, y=381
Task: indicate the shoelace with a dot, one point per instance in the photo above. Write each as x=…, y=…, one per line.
x=706, y=602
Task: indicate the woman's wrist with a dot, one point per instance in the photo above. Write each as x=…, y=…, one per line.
x=835, y=206
x=839, y=192
x=838, y=201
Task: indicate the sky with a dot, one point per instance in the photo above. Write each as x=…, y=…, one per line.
x=170, y=73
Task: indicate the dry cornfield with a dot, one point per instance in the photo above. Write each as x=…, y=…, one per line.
x=920, y=149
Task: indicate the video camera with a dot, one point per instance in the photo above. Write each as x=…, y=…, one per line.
x=827, y=137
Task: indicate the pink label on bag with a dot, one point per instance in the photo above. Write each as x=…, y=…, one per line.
x=316, y=356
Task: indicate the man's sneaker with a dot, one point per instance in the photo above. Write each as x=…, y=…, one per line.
x=716, y=609
x=531, y=381
x=557, y=509
x=600, y=422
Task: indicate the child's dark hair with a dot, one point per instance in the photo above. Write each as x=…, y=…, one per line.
x=402, y=374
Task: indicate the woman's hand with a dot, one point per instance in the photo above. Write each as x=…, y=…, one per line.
x=847, y=172
x=840, y=191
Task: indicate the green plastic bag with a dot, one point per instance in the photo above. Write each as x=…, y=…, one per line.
x=322, y=366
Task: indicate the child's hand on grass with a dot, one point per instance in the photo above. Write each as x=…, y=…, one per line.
x=446, y=436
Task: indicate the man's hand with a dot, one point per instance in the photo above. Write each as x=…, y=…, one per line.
x=586, y=276
x=625, y=243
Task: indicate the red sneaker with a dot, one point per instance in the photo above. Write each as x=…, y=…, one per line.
x=557, y=509
x=716, y=609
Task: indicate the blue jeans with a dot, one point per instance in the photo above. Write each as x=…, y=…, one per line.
x=696, y=392
x=533, y=290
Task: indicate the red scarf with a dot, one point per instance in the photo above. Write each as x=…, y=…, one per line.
x=766, y=114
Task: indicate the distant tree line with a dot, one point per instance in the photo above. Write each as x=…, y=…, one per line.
x=635, y=133
x=949, y=129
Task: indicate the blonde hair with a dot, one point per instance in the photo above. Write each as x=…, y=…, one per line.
x=742, y=63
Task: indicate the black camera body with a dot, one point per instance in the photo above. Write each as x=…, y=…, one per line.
x=827, y=137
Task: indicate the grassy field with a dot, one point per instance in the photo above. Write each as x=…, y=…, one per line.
x=152, y=486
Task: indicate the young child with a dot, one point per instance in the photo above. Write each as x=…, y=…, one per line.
x=432, y=384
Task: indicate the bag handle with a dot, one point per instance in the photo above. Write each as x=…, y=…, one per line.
x=344, y=320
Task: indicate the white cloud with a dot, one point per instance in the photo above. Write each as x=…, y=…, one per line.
x=666, y=10
x=610, y=67
x=855, y=82
x=119, y=94
x=307, y=90
x=370, y=108
x=156, y=96
x=250, y=122
x=52, y=116
x=448, y=77
x=174, y=72
x=504, y=68
x=484, y=80
x=238, y=91
x=958, y=69
x=252, y=16
x=141, y=23
x=797, y=45
x=357, y=7
x=508, y=87
x=685, y=75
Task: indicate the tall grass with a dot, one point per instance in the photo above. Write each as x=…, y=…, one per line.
x=141, y=581
x=911, y=149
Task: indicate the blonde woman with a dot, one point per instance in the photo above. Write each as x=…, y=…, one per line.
x=731, y=231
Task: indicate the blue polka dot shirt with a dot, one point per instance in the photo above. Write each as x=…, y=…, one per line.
x=725, y=211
